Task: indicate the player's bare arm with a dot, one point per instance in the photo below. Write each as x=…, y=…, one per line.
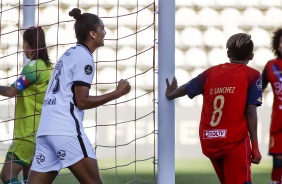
x=8, y=91
x=84, y=101
x=251, y=115
x=173, y=91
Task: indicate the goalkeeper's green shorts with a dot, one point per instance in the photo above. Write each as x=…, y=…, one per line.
x=21, y=152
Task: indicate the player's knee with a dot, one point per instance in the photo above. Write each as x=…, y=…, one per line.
x=277, y=162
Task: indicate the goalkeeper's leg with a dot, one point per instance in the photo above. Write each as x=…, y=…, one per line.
x=10, y=172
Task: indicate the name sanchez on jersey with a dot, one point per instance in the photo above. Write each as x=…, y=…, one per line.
x=221, y=90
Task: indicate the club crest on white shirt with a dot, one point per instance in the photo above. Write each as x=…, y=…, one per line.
x=88, y=69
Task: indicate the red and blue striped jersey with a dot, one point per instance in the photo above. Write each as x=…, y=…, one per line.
x=272, y=74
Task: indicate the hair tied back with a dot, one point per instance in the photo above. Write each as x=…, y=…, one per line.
x=75, y=13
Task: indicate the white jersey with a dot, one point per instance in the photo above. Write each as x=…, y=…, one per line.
x=60, y=116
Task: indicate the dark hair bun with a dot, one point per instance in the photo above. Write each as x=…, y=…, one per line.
x=75, y=13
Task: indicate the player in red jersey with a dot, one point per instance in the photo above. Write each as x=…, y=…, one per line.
x=272, y=74
x=231, y=93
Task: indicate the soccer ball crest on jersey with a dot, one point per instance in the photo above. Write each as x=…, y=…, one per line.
x=88, y=69
x=259, y=84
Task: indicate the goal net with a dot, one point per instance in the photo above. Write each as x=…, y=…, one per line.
x=122, y=132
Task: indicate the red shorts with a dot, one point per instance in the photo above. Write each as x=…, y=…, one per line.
x=235, y=166
x=275, y=144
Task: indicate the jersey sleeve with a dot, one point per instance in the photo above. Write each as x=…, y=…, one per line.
x=27, y=77
x=196, y=86
x=255, y=90
x=83, y=72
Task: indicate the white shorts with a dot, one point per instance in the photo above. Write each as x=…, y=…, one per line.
x=55, y=152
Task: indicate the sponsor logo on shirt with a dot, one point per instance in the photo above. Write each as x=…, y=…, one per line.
x=31, y=63
x=61, y=154
x=88, y=69
x=259, y=84
x=212, y=134
x=40, y=158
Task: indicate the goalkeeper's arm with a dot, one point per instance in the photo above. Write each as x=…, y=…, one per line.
x=9, y=91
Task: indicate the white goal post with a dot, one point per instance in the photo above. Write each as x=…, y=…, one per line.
x=166, y=109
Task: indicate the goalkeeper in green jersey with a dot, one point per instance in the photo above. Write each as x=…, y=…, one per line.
x=29, y=90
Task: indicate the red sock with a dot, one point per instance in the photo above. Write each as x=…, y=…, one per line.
x=276, y=175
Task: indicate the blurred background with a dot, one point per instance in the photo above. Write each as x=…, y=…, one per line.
x=126, y=129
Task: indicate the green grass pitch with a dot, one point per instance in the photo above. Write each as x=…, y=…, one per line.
x=187, y=171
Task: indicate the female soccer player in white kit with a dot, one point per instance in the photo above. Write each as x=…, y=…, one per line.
x=61, y=141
